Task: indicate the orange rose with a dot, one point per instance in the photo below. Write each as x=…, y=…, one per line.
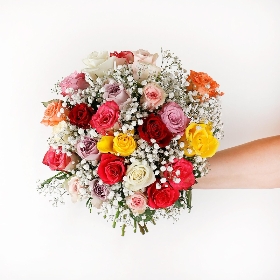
x=204, y=84
x=53, y=113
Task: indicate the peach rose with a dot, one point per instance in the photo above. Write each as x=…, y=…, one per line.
x=153, y=96
x=137, y=203
x=73, y=186
x=54, y=113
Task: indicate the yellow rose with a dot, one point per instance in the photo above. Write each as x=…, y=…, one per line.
x=124, y=145
x=105, y=144
x=199, y=140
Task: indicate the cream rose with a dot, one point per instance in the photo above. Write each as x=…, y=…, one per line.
x=144, y=65
x=138, y=176
x=61, y=133
x=98, y=63
x=73, y=186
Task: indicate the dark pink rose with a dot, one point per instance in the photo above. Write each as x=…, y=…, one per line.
x=182, y=169
x=106, y=117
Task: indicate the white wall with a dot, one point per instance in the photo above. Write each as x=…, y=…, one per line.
x=230, y=234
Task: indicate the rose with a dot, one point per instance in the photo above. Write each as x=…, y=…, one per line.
x=138, y=176
x=114, y=91
x=106, y=117
x=174, y=118
x=154, y=128
x=105, y=144
x=99, y=192
x=80, y=115
x=123, y=57
x=111, y=169
x=57, y=160
x=74, y=186
x=181, y=177
x=124, y=145
x=74, y=81
x=137, y=202
x=54, y=113
x=61, y=133
x=145, y=57
x=199, y=140
x=144, y=65
x=153, y=96
x=98, y=63
x=204, y=84
x=161, y=195
x=86, y=149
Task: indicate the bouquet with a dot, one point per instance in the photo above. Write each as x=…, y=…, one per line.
x=129, y=138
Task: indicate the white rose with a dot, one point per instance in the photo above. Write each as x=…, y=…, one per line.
x=139, y=176
x=98, y=63
x=73, y=186
x=61, y=133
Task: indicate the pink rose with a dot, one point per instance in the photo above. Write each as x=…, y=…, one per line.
x=145, y=57
x=87, y=149
x=144, y=65
x=116, y=92
x=174, y=118
x=74, y=81
x=181, y=177
x=57, y=160
x=73, y=187
x=123, y=57
x=137, y=202
x=106, y=117
x=153, y=96
x=99, y=192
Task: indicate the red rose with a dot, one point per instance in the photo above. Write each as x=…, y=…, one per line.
x=129, y=57
x=111, y=169
x=154, y=128
x=105, y=117
x=163, y=197
x=182, y=169
x=80, y=115
x=56, y=161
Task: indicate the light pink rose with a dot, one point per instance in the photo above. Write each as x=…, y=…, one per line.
x=153, y=96
x=74, y=81
x=73, y=187
x=116, y=92
x=145, y=57
x=99, y=192
x=144, y=65
x=174, y=118
x=87, y=149
x=137, y=202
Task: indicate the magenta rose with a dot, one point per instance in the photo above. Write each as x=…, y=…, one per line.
x=74, y=81
x=163, y=197
x=106, y=117
x=111, y=169
x=182, y=169
x=57, y=160
x=87, y=149
x=174, y=118
x=115, y=92
x=154, y=128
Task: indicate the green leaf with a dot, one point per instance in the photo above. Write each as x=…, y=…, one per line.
x=46, y=103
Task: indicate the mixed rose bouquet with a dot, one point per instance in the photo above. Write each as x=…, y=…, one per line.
x=130, y=137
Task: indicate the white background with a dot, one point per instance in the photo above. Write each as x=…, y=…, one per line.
x=230, y=234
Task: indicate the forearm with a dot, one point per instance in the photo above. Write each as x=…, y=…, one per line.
x=253, y=165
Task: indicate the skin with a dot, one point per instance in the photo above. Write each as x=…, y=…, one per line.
x=254, y=165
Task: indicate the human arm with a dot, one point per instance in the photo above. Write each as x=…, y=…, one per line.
x=254, y=165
